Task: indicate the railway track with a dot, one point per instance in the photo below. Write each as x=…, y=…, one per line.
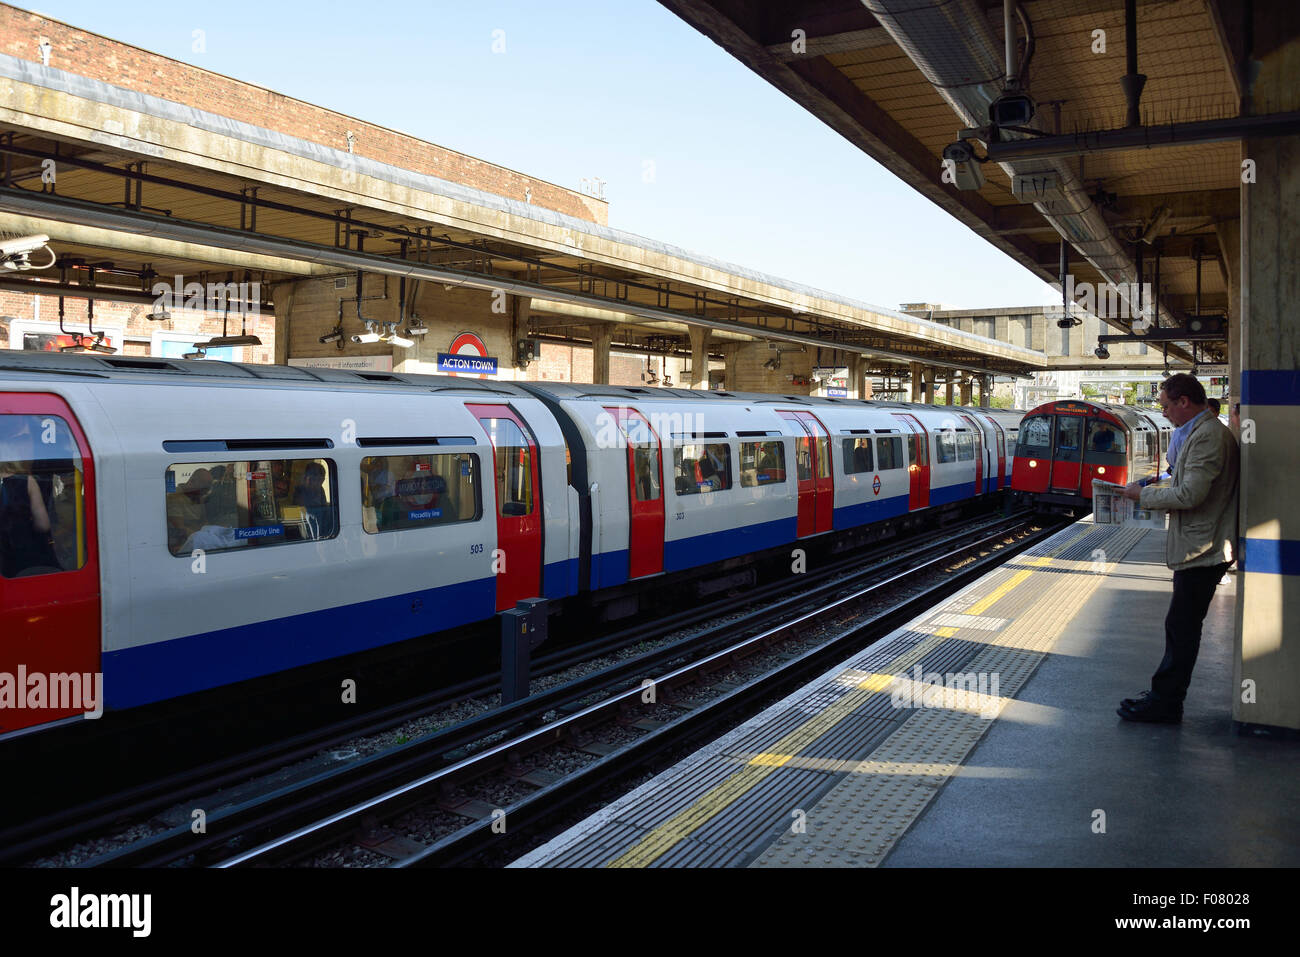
x=34, y=838
x=288, y=824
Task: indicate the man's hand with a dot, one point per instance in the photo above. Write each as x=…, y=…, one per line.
x=1133, y=490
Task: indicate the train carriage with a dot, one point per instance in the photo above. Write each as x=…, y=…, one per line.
x=1063, y=445
x=203, y=524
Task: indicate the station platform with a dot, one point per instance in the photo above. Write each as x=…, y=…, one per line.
x=983, y=733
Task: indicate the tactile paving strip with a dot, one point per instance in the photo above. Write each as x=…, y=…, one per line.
x=840, y=758
x=861, y=819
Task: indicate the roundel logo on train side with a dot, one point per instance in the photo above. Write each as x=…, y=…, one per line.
x=875, y=485
x=468, y=356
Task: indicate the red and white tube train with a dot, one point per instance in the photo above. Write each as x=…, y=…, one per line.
x=182, y=526
x=1064, y=445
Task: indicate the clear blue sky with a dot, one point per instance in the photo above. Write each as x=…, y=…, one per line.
x=597, y=88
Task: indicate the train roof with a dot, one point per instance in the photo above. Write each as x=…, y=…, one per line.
x=213, y=372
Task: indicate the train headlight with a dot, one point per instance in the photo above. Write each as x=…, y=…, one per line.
x=1033, y=464
x=1101, y=470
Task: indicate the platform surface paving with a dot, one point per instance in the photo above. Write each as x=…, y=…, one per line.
x=982, y=733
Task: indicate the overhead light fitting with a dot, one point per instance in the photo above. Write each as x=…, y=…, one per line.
x=221, y=342
x=73, y=348
x=159, y=315
x=197, y=354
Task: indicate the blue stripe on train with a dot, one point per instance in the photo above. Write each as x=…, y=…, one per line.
x=167, y=669
x=876, y=510
x=609, y=569
x=716, y=546
x=560, y=579
x=952, y=493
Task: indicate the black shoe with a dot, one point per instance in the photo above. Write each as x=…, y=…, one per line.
x=1130, y=702
x=1153, y=709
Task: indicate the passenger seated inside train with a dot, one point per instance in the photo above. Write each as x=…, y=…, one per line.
x=26, y=503
x=310, y=495
x=1103, y=438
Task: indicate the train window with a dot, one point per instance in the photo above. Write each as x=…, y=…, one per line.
x=41, y=508
x=513, y=459
x=965, y=446
x=1069, y=430
x=413, y=491
x=1104, y=437
x=1035, y=437
x=889, y=453
x=857, y=456
x=218, y=506
x=702, y=468
x=945, y=448
x=762, y=463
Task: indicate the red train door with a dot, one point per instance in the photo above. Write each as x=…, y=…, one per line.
x=823, y=476
x=918, y=461
x=1067, y=454
x=49, y=565
x=979, y=453
x=806, y=523
x=645, y=535
x=519, y=505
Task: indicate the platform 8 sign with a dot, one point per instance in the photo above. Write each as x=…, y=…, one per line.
x=467, y=357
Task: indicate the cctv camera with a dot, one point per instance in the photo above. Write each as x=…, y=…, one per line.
x=14, y=253
x=960, y=158
x=1101, y=352
x=22, y=245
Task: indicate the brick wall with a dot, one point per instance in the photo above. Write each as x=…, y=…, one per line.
x=100, y=58
x=131, y=333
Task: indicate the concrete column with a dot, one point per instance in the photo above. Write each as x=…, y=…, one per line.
x=986, y=391
x=282, y=295
x=731, y=353
x=866, y=383
x=947, y=388
x=966, y=388
x=854, y=363
x=1267, y=666
x=916, y=375
x=929, y=385
x=600, y=338
x=699, y=357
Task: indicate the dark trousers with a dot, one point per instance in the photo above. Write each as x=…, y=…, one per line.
x=1193, y=589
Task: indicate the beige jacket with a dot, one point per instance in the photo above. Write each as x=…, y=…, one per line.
x=1202, y=499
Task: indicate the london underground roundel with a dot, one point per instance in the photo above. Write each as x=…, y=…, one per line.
x=468, y=356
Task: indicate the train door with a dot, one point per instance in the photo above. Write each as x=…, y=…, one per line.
x=645, y=537
x=806, y=522
x=978, y=439
x=1067, y=454
x=812, y=452
x=49, y=564
x=519, y=506
x=823, y=475
x=918, y=461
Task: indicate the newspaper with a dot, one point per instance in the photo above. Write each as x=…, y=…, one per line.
x=1110, y=507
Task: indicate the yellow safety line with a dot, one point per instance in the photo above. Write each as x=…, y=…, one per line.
x=714, y=801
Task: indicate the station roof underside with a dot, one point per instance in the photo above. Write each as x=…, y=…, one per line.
x=836, y=59
x=146, y=183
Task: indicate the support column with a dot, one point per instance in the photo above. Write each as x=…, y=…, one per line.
x=865, y=381
x=1266, y=672
x=282, y=294
x=947, y=388
x=1229, y=236
x=986, y=391
x=915, y=368
x=699, y=357
x=966, y=383
x=600, y=339
x=854, y=362
x=929, y=385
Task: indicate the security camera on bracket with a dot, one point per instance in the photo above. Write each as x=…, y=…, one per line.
x=14, y=253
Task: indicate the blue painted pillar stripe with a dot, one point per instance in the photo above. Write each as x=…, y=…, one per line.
x=1270, y=556
x=1270, y=387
